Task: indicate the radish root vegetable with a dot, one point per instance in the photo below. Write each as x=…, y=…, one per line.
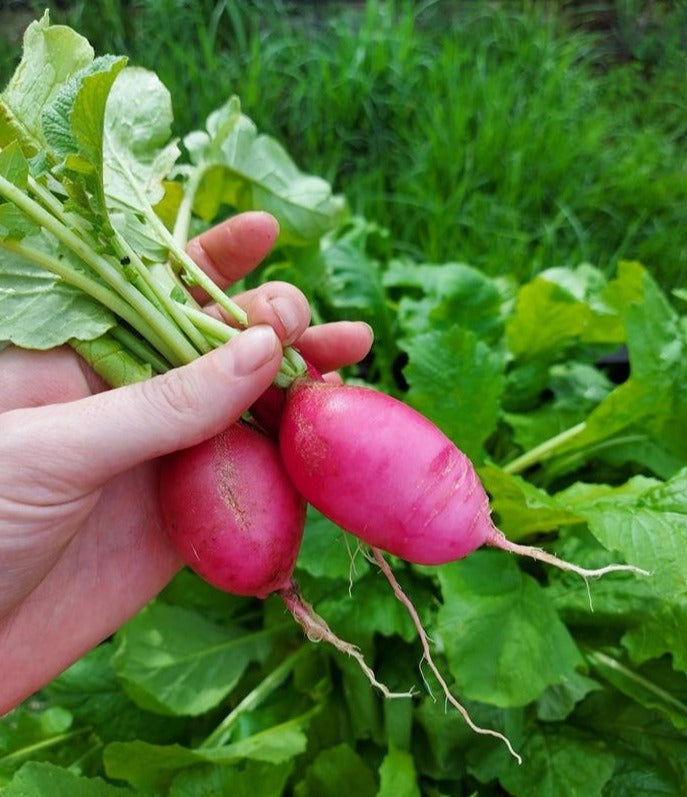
x=237, y=521
x=385, y=473
x=232, y=513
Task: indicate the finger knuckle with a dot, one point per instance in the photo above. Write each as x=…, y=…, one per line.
x=173, y=395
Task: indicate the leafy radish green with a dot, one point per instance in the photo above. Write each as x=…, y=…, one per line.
x=85, y=164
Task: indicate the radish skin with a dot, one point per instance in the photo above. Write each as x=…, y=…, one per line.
x=384, y=472
x=330, y=462
x=232, y=513
x=267, y=409
x=236, y=519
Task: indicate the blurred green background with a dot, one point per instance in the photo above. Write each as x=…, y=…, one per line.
x=513, y=136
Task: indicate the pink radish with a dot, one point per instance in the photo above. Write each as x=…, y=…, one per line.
x=267, y=409
x=236, y=519
x=232, y=513
x=385, y=473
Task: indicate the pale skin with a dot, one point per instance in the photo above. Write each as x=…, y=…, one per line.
x=82, y=544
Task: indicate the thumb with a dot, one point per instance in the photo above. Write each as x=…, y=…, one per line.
x=81, y=444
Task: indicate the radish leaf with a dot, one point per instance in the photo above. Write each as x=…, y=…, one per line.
x=198, y=664
x=234, y=165
x=487, y=597
x=456, y=380
x=52, y=54
x=47, y=780
x=38, y=311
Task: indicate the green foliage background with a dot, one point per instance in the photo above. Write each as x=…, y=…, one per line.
x=513, y=136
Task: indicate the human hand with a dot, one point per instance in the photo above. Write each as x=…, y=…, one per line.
x=81, y=541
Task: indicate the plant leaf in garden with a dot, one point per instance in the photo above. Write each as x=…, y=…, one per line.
x=660, y=634
x=648, y=687
x=435, y=295
x=520, y=507
x=546, y=319
x=46, y=780
x=150, y=766
x=39, y=311
x=558, y=701
x=254, y=779
x=351, y=277
x=235, y=165
x=137, y=156
x=644, y=530
x=397, y=775
x=27, y=735
x=332, y=767
x=485, y=597
x=562, y=763
x=111, y=360
x=91, y=691
x=52, y=54
x=456, y=381
x=653, y=396
x=327, y=552
x=173, y=661
x=73, y=120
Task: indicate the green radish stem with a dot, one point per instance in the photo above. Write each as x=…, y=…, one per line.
x=427, y=655
x=193, y=273
x=176, y=348
x=211, y=327
x=99, y=291
x=139, y=348
x=604, y=663
x=255, y=697
x=544, y=450
x=175, y=242
x=149, y=307
x=185, y=211
x=28, y=750
x=154, y=289
x=162, y=295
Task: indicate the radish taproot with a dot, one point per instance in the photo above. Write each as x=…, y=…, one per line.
x=385, y=473
x=236, y=519
x=232, y=513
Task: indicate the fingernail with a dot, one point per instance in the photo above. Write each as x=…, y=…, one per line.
x=371, y=330
x=286, y=313
x=252, y=348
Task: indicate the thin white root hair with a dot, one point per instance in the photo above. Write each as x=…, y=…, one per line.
x=427, y=684
x=351, y=567
x=427, y=656
x=317, y=630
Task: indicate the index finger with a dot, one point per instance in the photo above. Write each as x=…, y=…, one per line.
x=233, y=248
